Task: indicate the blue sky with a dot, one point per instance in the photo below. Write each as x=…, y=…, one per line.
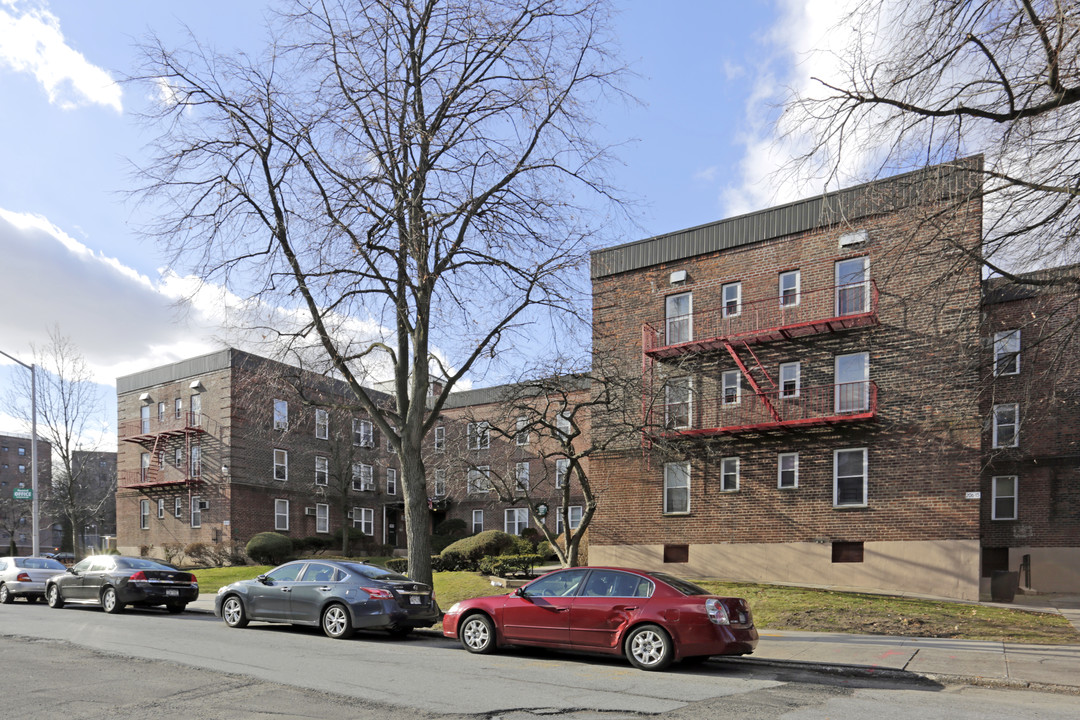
x=699, y=148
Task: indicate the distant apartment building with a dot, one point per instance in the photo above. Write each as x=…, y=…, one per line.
x=16, y=514
x=94, y=499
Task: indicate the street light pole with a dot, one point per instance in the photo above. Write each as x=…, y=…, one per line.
x=33, y=451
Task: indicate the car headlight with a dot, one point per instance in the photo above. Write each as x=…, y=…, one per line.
x=222, y=589
x=454, y=609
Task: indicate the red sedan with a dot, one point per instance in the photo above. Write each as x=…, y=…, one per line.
x=650, y=617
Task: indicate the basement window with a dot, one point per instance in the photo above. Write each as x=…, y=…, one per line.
x=847, y=552
x=676, y=553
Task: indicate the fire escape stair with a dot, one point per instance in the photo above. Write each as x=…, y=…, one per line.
x=749, y=375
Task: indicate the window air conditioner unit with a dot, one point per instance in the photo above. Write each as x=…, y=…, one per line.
x=309, y=511
x=204, y=504
x=349, y=515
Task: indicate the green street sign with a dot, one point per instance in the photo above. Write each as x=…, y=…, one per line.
x=23, y=494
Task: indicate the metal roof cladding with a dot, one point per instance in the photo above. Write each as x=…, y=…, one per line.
x=960, y=179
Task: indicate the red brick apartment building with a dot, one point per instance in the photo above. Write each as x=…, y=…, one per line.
x=219, y=447
x=817, y=394
x=16, y=516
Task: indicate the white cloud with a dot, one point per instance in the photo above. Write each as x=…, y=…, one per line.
x=31, y=42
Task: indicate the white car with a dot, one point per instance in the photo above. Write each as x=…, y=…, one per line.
x=26, y=577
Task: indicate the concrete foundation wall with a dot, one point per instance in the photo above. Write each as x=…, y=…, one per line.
x=944, y=568
x=1053, y=569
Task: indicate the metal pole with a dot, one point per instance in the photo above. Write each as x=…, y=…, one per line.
x=33, y=449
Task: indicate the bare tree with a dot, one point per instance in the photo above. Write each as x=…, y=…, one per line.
x=401, y=176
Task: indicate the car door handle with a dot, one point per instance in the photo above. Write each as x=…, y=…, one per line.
x=626, y=608
x=286, y=589
x=562, y=609
x=326, y=588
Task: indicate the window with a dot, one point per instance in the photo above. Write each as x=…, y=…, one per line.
x=562, y=469
x=440, y=482
x=479, y=480
x=1003, y=501
x=196, y=461
x=322, y=518
x=440, y=439
x=161, y=412
x=22, y=451
x=677, y=403
x=849, y=478
x=144, y=514
x=322, y=470
x=521, y=477
x=678, y=318
x=1006, y=425
x=479, y=436
x=787, y=470
x=281, y=465
x=677, y=487
x=22, y=468
x=390, y=448
x=178, y=408
x=516, y=520
x=391, y=481
x=563, y=425
x=178, y=457
x=322, y=425
x=144, y=467
x=281, y=415
x=144, y=423
x=852, y=288
x=574, y=517
x=161, y=508
x=364, y=518
x=852, y=375
x=789, y=288
x=729, y=474
x=178, y=507
x=730, y=387
x=362, y=477
x=477, y=521
x=1007, y=352
x=196, y=512
x=363, y=434
x=281, y=514
x=847, y=552
x=161, y=460
x=522, y=435
x=196, y=410
x=790, y=380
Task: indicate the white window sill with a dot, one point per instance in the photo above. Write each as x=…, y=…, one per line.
x=851, y=507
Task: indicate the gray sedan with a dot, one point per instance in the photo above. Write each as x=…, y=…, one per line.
x=26, y=577
x=339, y=597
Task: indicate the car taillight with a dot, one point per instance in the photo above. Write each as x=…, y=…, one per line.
x=379, y=593
x=23, y=577
x=718, y=614
x=138, y=577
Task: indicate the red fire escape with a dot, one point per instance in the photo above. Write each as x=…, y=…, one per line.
x=158, y=437
x=734, y=329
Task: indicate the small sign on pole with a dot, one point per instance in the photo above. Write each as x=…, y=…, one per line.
x=23, y=494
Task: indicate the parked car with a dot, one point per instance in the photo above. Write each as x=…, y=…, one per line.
x=64, y=557
x=26, y=576
x=115, y=581
x=339, y=597
x=651, y=618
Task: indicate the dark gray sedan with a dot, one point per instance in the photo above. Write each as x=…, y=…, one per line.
x=339, y=597
x=114, y=581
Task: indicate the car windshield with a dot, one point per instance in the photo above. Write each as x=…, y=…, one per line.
x=36, y=563
x=684, y=586
x=140, y=564
x=374, y=572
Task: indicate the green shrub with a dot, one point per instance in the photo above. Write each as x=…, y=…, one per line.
x=507, y=565
x=545, y=551
x=441, y=542
x=314, y=544
x=467, y=552
x=523, y=546
x=452, y=528
x=398, y=565
x=269, y=548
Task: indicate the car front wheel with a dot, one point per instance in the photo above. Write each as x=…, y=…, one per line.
x=5, y=595
x=109, y=603
x=336, y=622
x=233, y=613
x=478, y=634
x=649, y=647
x=55, y=599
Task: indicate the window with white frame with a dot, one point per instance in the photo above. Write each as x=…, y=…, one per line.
x=144, y=467
x=196, y=461
x=521, y=477
x=852, y=286
x=362, y=477
x=196, y=410
x=1003, y=501
x=479, y=436
x=178, y=507
x=731, y=297
x=364, y=518
x=391, y=481
x=521, y=436
x=322, y=517
x=390, y=447
x=730, y=387
x=322, y=424
x=161, y=412
x=144, y=420
x=322, y=470
x=281, y=465
x=787, y=470
x=790, y=379
x=852, y=375
x=363, y=433
x=1006, y=425
x=144, y=514
x=178, y=457
x=477, y=521
x=729, y=474
x=676, y=487
x=849, y=477
x=563, y=425
x=440, y=438
x=789, y=288
x=678, y=318
x=178, y=408
x=161, y=508
x=516, y=520
x=440, y=482
x=281, y=415
x=574, y=513
x=677, y=403
x=562, y=469
x=281, y=514
x=196, y=512
x=161, y=460
x=1007, y=352
x=479, y=480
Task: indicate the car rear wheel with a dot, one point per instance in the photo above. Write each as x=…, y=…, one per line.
x=648, y=647
x=176, y=608
x=5, y=595
x=52, y=594
x=478, y=634
x=336, y=622
x=233, y=613
x=109, y=602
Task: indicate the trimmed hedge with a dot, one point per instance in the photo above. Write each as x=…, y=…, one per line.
x=269, y=548
x=398, y=565
x=465, y=554
x=507, y=565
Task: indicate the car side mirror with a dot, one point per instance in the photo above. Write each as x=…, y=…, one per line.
x=263, y=579
x=73, y=571
x=522, y=593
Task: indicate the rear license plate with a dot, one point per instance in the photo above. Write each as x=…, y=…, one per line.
x=172, y=593
x=414, y=599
